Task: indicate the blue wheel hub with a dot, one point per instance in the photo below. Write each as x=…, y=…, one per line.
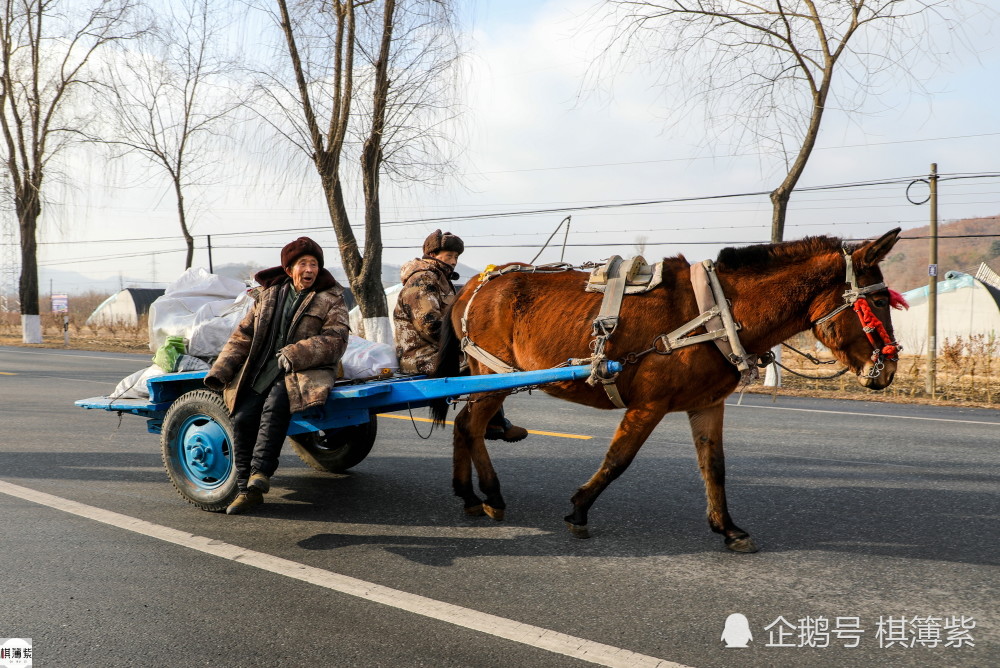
x=204, y=452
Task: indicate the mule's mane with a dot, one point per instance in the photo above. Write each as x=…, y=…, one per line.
x=775, y=255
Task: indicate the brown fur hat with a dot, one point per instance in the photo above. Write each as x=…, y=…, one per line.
x=298, y=248
x=438, y=241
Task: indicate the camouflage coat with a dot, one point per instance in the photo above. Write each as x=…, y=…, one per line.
x=427, y=292
x=317, y=339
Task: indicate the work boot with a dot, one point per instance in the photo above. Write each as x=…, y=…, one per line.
x=245, y=502
x=505, y=432
x=260, y=482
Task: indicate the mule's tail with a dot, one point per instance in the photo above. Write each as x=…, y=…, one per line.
x=449, y=363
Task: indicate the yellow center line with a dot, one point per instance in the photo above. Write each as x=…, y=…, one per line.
x=530, y=431
x=7, y=373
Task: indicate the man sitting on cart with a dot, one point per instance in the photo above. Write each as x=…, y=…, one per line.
x=427, y=292
x=281, y=359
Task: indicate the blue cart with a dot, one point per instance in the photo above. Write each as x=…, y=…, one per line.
x=196, y=432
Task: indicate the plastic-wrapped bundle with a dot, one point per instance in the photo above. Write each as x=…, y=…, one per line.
x=176, y=312
x=365, y=359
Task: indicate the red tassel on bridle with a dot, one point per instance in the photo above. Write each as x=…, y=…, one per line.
x=897, y=300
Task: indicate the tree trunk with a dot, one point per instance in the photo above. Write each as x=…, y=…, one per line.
x=779, y=204
x=368, y=286
x=783, y=193
x=188, y=239
x=28, y=210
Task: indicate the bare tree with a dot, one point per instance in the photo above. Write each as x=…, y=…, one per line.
x=167, y=100
x=775, y=61
x=45, y=47
x=372, y=80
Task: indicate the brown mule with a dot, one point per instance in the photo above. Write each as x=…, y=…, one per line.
x=539, y=320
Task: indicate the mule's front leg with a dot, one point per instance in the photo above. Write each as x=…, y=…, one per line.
x=632, y=432
x=706, y=428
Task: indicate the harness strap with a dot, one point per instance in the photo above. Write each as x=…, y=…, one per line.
x=709, y=295
x=490, y=360
x=605, y=324
x=853, y=293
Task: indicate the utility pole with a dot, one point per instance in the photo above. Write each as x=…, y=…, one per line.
x=209, y=237
x=932, y=272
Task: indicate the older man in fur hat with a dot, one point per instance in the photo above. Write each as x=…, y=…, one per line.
x=427, y=293
x=281, y=359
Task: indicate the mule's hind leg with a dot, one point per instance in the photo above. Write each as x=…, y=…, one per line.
x=469, y=449
x=706, y=428
x=635, y=427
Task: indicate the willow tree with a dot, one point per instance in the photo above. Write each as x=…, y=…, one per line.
x=770, y=69
x=167, y=101
x=45, y=49
x=369, y=95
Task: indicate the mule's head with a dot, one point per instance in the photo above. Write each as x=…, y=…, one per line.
x=872, y=354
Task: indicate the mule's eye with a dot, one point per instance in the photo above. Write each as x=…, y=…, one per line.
x=880, y=302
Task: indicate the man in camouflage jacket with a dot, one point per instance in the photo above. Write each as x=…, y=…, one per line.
x=281, y=359
x=421, y=307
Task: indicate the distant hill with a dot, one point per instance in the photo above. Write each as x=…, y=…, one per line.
x=906, y=266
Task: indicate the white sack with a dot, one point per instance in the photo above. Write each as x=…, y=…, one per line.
x=364, y=359
x=174, y=313
x=214, y=323
x=134, y=386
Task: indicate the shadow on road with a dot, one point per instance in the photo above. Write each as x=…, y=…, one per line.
x=948, y=513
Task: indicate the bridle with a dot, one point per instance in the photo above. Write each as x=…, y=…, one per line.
x=855, y=297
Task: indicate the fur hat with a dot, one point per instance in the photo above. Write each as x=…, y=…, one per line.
x=298, y=248
x=447, y=241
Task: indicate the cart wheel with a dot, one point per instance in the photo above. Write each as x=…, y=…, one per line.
x=336, y=451
x=197, y=451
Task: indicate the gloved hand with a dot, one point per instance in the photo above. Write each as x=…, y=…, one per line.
x=284, y=363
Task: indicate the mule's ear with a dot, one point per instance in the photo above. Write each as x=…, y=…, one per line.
x=873, y=252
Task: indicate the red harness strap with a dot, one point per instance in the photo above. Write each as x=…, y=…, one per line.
x=870, y=323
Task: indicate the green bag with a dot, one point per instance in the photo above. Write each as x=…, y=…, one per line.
x=167, y=355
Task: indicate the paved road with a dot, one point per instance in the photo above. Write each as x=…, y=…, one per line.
x=863, y=510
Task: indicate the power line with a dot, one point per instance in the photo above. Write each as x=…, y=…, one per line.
x=603, y=206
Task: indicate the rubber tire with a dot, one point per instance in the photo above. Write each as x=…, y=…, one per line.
x=199, y=409
x=336, y=451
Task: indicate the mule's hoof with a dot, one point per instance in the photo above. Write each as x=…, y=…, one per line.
x=744, y=545
x=578, y=530
x=495, y=513
x=475, y=511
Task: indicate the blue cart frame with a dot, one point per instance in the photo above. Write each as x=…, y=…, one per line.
x=196, y=431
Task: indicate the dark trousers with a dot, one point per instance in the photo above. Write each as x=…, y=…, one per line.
x=260, y=423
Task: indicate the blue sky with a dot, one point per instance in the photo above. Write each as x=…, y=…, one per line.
x=536, y=137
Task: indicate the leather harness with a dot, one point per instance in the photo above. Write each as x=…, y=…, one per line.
x=715, y=317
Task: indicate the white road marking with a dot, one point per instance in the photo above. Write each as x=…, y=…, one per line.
x=897, y=417
x=501, y=627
